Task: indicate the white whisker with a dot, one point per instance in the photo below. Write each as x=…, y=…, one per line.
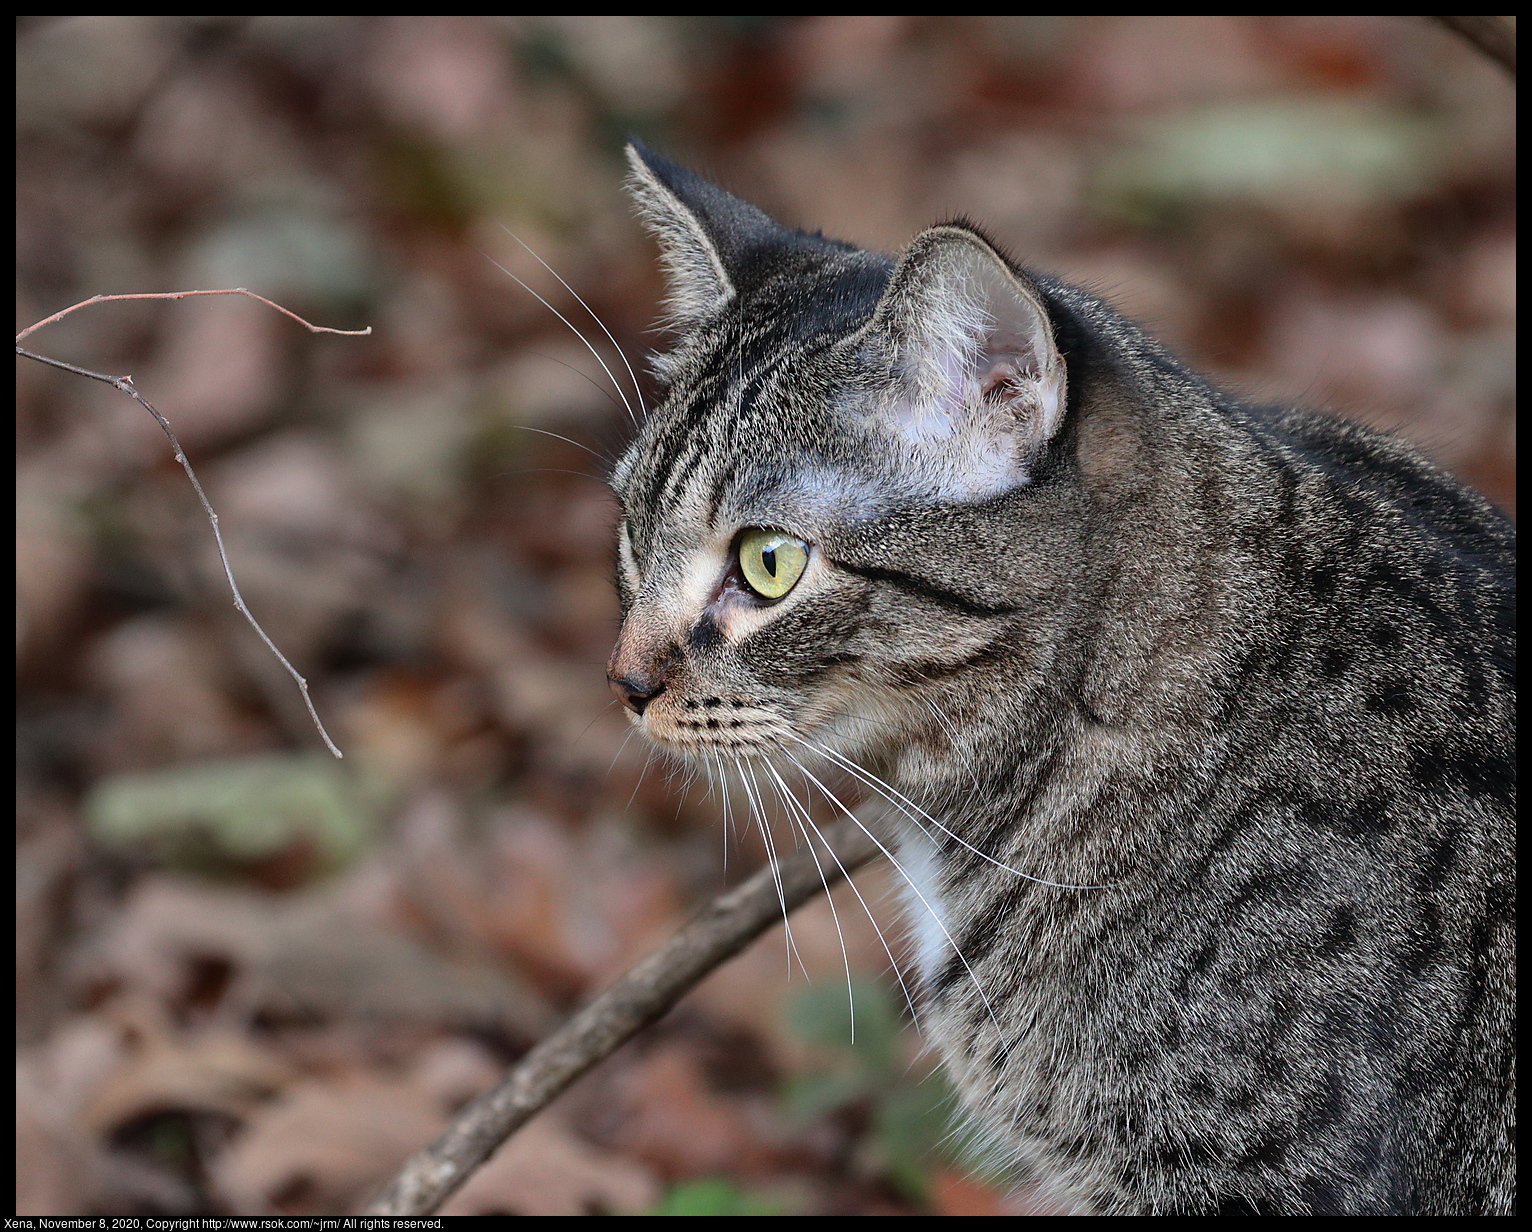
x=620, y=353
x=648, y=761
x=618, y=754
x=915, y=889
x=909, y=808
x=723, y=797
x=909, y=998
x=792, y=803
x=808, y=823
x=758, y=808
x=576, y=332
x=565, y=439
x=946, y=726
x=584, y=376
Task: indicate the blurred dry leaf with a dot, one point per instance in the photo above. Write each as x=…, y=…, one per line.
x=410, y=443
x=308, y=955
x=56, y=1079
x=52, y=554
x=87, y=70
x=441, y=75
x=574, y=909
x=325, y=1144
x=1135, y=61
x=61, y=1168
x=168, y=684
x=286, y=504
x=588, y=904
x=219, y=1070
x=664, y=1111
x=546, y=1170
x=51, y=1173
x=636, y=62
x=455, y=1070
x=219, y=376
x=46, y=860
x=563, y=702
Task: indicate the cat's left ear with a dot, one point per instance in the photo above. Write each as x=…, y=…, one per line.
x=984, y=377
x=707, y=236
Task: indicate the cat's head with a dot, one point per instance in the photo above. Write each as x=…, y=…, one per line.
x=807, y=536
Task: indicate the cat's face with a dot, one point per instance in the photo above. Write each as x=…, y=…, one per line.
x=830, y=422
x=741, y=635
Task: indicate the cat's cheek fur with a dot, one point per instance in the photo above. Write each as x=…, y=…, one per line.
x=956, y=451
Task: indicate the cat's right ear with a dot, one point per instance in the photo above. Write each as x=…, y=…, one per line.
x=984, y=379
x=707, y=236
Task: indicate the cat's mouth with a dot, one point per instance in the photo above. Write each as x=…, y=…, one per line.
x=824, y=729
x=709, y=724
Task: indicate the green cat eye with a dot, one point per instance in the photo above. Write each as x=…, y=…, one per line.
x=771, y=561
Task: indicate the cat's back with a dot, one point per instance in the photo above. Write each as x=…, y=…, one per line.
x=1388, y=592
x=1411, y=742
x=1337, y=914
x=1379, y=481
x=1296, y=699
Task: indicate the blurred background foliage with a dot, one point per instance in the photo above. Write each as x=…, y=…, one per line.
x=250, y=979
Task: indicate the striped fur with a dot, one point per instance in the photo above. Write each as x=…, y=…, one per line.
x=1199, y=715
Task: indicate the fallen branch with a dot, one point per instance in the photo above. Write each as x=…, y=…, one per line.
x=125, y=383
x=641, y=996
x=1494, y=36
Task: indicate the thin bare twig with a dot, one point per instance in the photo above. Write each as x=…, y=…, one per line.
x=125, y=383
x=725, y=927
x=107, y=299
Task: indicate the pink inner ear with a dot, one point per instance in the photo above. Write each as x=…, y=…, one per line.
x=1003, y=382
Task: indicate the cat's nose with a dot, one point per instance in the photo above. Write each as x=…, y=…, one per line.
x=634, y=694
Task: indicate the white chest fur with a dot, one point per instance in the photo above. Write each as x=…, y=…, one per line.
x=925, y=915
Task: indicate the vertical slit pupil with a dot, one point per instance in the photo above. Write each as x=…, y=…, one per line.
x=769, y=559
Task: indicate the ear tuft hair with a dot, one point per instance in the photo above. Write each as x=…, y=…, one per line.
x=698, y=282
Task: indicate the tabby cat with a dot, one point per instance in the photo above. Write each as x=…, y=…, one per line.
x=1198, y=716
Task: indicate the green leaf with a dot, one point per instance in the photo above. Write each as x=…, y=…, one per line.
x=713, y=1196
x=910, y=1119
x=1283, y=154
x=224, y=816
x=911, y=1124
x=867, y=1028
